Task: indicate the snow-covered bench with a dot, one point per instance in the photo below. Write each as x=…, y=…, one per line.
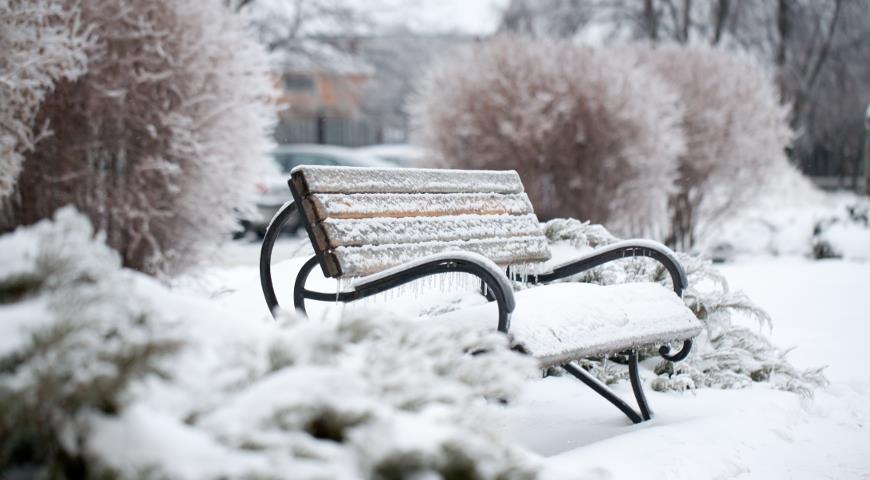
x=377, y=229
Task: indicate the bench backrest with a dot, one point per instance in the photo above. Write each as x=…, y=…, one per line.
x=364, y=220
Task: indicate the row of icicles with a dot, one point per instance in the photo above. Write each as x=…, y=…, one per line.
x=449, y=282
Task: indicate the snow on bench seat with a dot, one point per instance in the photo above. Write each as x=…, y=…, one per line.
x=321, y=179
x=565, y=321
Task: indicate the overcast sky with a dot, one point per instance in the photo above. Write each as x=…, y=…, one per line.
x=465, y=16
x=476, y=17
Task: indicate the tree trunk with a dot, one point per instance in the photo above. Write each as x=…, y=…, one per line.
x=650, y=20
x=814, y=65
x=783, y=28
x=867, y=152
x=721, y=15
x=686, y=21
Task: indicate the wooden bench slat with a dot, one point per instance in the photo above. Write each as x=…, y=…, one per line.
x=367, y=205
x=321, y=179
x=363, y=220
x=368, y=259
x=379, y=231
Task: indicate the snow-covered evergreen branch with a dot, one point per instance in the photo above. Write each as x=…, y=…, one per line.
x=726, y=355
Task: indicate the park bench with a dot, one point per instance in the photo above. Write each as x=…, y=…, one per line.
x=378, y=228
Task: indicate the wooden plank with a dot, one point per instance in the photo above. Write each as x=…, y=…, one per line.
x=380, y=231
x=398, y=205
x=365, y=260
x=414, y=213
x=321, y=179
x=328, y=263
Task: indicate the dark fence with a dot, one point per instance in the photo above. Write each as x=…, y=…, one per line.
x=833, y=170
x=336, y=131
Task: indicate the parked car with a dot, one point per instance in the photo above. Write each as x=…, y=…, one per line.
x=401, y=154
x=273, y=190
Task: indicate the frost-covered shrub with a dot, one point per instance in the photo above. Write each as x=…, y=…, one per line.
x=73, y=339
x=736, y=132
x=158, y=140
x=725, y=355
x=593, y=134
x=41, y=43
x=378, y=398
x=106, y=373
x=845, y=233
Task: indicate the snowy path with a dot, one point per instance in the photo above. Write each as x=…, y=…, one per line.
x=822, y=308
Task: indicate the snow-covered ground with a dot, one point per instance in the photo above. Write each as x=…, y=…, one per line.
x=820, y=307
x=823, y=309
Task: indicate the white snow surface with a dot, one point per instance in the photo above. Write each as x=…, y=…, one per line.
x=817, y=306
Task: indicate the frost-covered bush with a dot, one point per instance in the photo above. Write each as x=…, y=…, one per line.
x=72, y=340
x=725, y=355
x=159, y=137
x=106, y=373
x=845, y=233
x=662, y=140
x=41, y=43
x=736, y=133
x=593, y=134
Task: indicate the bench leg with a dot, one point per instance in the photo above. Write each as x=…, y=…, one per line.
x=603, y=390
x=637, y=386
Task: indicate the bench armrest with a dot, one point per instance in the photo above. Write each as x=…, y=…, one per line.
x=450, y=261
x=272, y=232
x=618, y=250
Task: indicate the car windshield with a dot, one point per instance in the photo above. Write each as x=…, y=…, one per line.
x=286, y=161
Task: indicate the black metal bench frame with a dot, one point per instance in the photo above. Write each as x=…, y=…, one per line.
x=491, y=288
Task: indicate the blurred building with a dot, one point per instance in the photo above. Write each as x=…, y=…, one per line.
x=353, y=91
x=322, y=96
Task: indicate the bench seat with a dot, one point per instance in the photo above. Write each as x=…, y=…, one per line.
x=561, y=322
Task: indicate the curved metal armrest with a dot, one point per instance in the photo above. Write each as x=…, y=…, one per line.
x=272, y=233
x=466, y=262
x=665, y=351
x=615, y=251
